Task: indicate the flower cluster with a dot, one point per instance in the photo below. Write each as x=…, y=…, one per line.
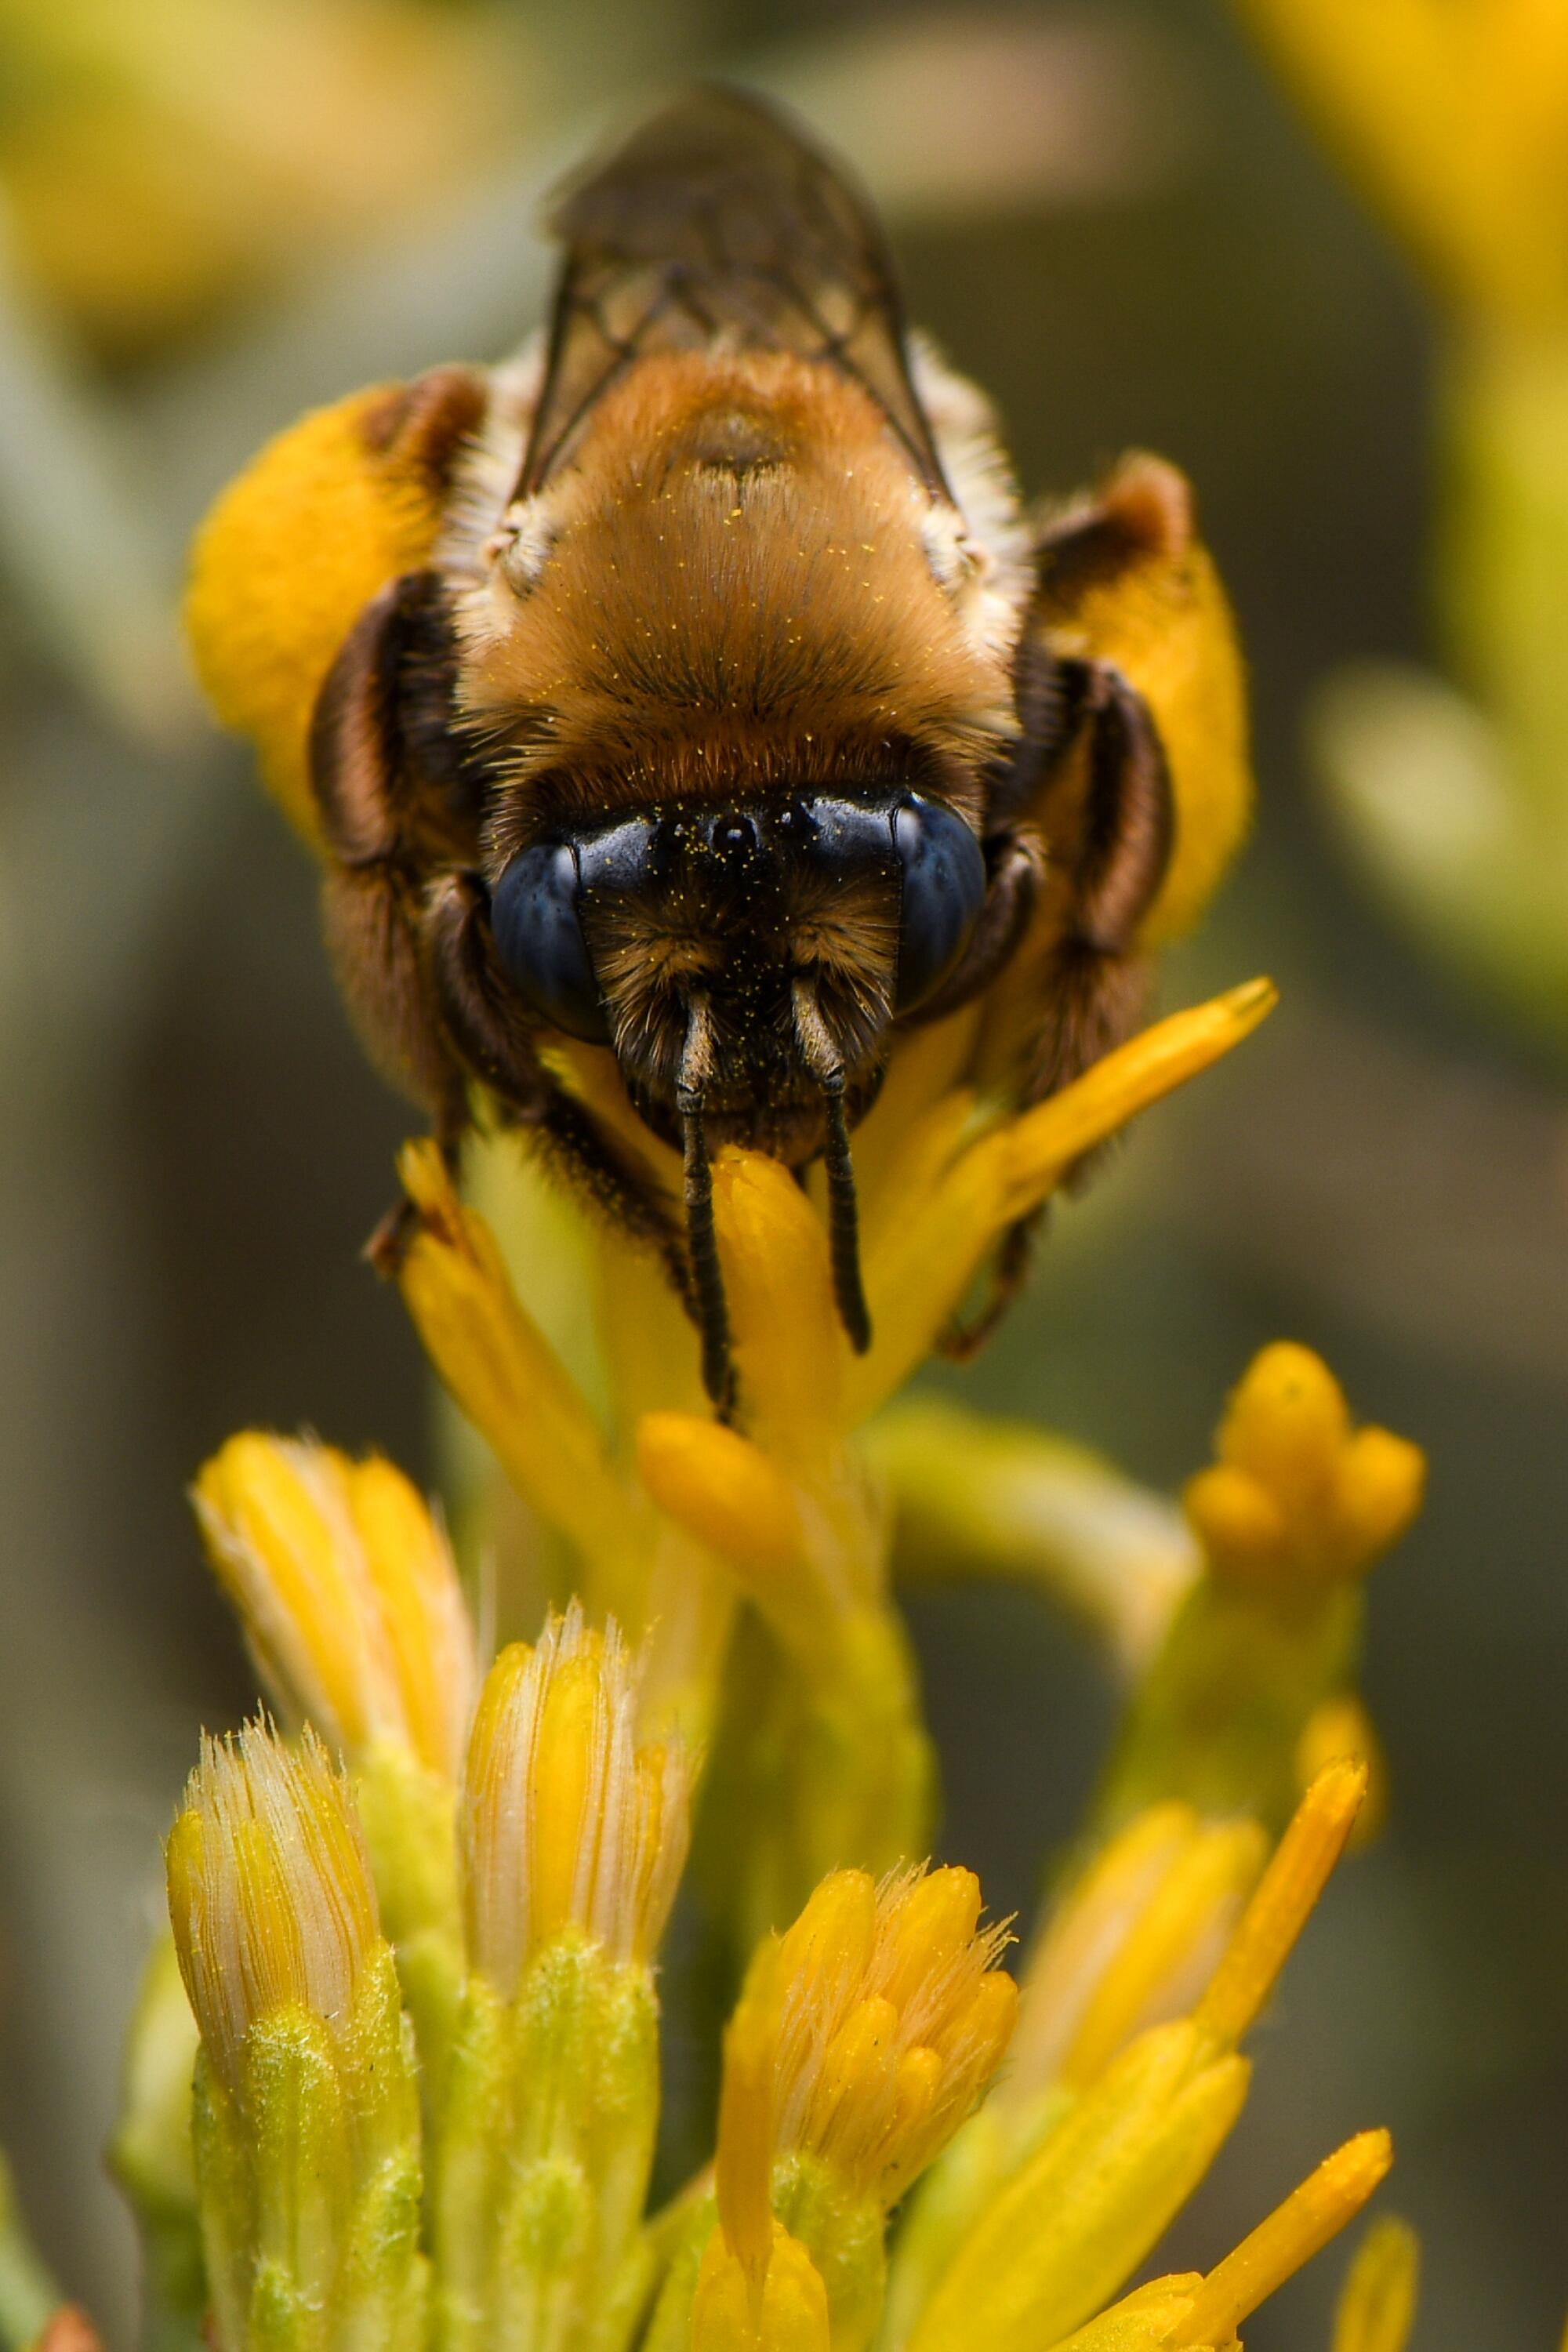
x=419, y=1985
x=384, y=2156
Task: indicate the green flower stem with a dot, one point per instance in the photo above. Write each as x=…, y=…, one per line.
x=1217, y=1720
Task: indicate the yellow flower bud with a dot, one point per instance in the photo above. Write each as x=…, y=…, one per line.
x=567, y=1820
x=1378, y=1485
x=1237, y=1522
x=884, y=2016
x=269, y=1893
x=347, y=1591
x=305, y=2122
x=1297, y=1498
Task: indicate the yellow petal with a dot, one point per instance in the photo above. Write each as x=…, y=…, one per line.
x=919, y=1262
x=721, y=1489
x=502, y=1372
x=1286, y=1424
x=1376, y=2308
x=788, y=2314
x=742, y=2172
x=1278, y=1912
x=788, y=1345
x=1179, y=1929
x=276, y=1520
x=1083, y=2211
x=428, y=1631
x=1338, y=1731
x=1292, y=2235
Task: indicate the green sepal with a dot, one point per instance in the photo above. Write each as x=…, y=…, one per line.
x=844, y=2232
x=543, y=2152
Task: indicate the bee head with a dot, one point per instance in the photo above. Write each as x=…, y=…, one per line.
x=756, y=952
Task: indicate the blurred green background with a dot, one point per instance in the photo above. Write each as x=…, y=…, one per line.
x=214, y=211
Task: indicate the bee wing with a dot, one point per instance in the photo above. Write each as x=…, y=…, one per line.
x=717, y=223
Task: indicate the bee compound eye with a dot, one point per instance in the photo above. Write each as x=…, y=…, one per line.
x=539, y=939
x=943, y=872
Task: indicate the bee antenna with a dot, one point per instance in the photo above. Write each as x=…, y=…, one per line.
x=701, y=1235
x=825, y=1064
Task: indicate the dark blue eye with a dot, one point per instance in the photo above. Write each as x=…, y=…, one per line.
x=945, y=888
x=533, y=921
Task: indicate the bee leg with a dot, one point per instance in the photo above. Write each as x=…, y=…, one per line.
x=367, y=794
x=962, y=1341
x=1094, y=985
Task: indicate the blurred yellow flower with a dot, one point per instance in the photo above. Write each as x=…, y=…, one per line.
x=1456, y=117
x=1376, y=2308
x=160, y=159
x=1297, y=1495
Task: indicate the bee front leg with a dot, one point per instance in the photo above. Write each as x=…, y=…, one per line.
x=1106, y=809
x=1113, y=814
x=378, y=847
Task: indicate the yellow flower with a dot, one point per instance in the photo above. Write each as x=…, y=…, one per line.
x=569, y=1820
x=671, y=1517
x=865, y=2034
x=1067, y=2223
x=1251, y=1688
x=572, y=1832
x=347, y=1591
x=1456, y=117
x=863, y=2037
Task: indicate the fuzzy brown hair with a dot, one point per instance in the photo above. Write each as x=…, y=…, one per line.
x=730, y=589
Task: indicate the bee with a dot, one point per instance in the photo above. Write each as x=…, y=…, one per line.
x=734, y=718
